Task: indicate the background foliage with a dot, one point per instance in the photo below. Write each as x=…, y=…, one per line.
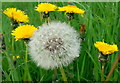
x=101, y=20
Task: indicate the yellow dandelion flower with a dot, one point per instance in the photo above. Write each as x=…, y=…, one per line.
x=71, y=9
x=45, y=7
x=24, y=31
x=17, y=57
x=16, y=15
x=105, y=48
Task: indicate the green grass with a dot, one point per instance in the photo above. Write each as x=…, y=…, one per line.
x=101, y=20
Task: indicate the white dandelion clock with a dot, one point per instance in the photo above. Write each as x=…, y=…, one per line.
x=54, y=44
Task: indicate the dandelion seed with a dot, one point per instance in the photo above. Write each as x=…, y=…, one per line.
x=54, y=45
x=16, y=15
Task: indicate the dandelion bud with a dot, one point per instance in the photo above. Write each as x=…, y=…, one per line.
x=82, y=31
x=70, y=16
x=103, y=58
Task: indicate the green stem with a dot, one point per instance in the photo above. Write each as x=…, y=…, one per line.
x=26, y=58
x=13, y=45
x=26, y=53
x=63, y=74
x=27, y=76
x=13, y=26
x=47, y=19
x=103, y=69
x=54, y=75
x=78, y=74
x=41, y=17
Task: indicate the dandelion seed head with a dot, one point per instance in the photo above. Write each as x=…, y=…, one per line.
x=54, y=44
